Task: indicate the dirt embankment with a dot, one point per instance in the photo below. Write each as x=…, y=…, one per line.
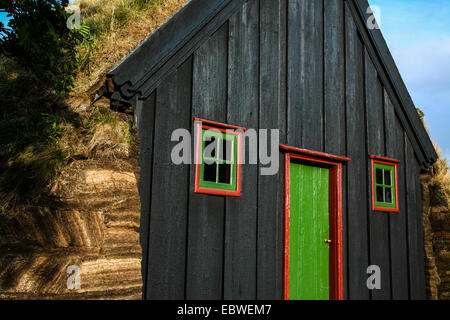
x=89, y=221
x=436, y=222
x=91, y=216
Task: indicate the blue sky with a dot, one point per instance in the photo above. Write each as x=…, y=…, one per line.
x=3, y=18
x=418, y=35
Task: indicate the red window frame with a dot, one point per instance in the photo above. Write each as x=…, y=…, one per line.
x=390, y=162
x=335, y=164
x=199, y=125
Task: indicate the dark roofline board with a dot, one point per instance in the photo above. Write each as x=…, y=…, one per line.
x=165, y=44
x=413, y=129
x=187, y=50
x=181, y=35
x=164, y=41
x=402, y=93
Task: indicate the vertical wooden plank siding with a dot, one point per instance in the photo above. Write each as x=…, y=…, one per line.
x=357, y=184
x=378, y=222
x=206, y=213
x=241, y=213
x=146, y=133
x=305, y=74
x=304, y=67
x=334, y=88
x=415, y=233
x=167, y=249
x=397, y=222
x=272, y=114
x=334, y=78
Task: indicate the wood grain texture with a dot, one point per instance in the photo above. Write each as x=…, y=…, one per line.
x=146, y=113
x=206, y=213
x=272, y=115
x=397, y=222
x=309, y=274
x=174, y=42
x=414, y=218
x=389, y=86
x=184, y=24
x=305, y=74
x=357, y=183
x=167, y=247
x=334, y=94
x=241, y=213
x=334, y=82
x=183, y=52
x=423, y=146
x=306, y=69
x=378, y=222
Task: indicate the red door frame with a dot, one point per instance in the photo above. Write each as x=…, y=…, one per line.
x=334, y=163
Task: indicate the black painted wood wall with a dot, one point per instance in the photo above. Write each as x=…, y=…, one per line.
x=306, y=68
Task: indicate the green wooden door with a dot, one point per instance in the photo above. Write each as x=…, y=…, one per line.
x=309, y=227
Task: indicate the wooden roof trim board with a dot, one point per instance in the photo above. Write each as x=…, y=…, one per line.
x=165, y=39
x=170, y=45
x=401, y=92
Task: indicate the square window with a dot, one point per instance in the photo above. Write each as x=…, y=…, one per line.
x=218, y=168
x=384, y=184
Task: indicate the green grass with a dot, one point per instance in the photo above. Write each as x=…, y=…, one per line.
x=30, y=132
x=440, y=181
x=103, y=19
x=117, y=130
x=39, y=135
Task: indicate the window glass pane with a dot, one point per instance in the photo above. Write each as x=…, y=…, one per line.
x=380, y=194
x=209, y=173
x=210, y=147
x=387, y=177
x=379, y=176
x=388, y=195
x=227, y=150
x=225, y=173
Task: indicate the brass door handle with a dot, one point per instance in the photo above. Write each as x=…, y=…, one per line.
x=327, y=241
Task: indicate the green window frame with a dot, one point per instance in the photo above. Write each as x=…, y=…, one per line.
x=219, y=170
x=385, y=196
x=385, y=184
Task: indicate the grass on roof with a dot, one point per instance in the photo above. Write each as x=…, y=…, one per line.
x=41, y=134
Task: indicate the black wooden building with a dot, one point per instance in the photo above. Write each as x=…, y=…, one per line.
x=318, y=72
